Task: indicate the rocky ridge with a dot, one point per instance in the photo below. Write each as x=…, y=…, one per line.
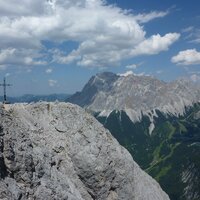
x=136, y=95
x=58, y=151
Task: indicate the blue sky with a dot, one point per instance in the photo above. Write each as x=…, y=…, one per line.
x=55, y=46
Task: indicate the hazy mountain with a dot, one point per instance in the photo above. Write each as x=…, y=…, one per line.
x=28, y=98
x=58, y=151
x=157, y=122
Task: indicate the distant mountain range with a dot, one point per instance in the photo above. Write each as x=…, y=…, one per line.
x=28, y=98
x=158, y=122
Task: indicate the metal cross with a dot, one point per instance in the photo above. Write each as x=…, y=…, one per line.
x=4, y=85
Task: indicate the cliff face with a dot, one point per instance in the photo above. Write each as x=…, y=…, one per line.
x=57, y=151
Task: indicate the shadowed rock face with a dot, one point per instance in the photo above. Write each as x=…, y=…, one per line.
x=57, y=151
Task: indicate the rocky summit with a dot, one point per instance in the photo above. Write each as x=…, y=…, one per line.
x=58, y=151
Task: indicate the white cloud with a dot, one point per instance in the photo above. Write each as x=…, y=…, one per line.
x=126, y=73
x=155, y=44
x=133, y=66
x=188, y=29
x=159, y=71
x=12, y=56
x=49, y=71
x=52, y=83
x=142, y=74
x=196, y=36
x=196, y=40
x=187, y=57
x=132, y=73
x=93, y=53
x=192, y=34
x=104, y=39
x=143, y=18
x=24, y=8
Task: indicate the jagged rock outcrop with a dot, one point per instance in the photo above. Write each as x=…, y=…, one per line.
x=58, y=151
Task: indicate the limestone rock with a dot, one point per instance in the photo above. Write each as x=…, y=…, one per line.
x=136, y=95
x=58, y=151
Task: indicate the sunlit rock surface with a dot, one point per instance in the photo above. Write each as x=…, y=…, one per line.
x=58, y=151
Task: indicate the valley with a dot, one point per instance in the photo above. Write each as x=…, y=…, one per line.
x=168, y=154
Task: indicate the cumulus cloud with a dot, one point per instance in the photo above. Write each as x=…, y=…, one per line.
x=105, y=33
x=12, y=56
x=52, y=83
x=94, y=53
x=155, y=44
x=187, y=57
x=127, y=73
x=24, y=8
x=49, y=71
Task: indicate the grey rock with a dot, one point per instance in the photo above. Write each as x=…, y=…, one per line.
x=58, y=151
x=137, y=96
